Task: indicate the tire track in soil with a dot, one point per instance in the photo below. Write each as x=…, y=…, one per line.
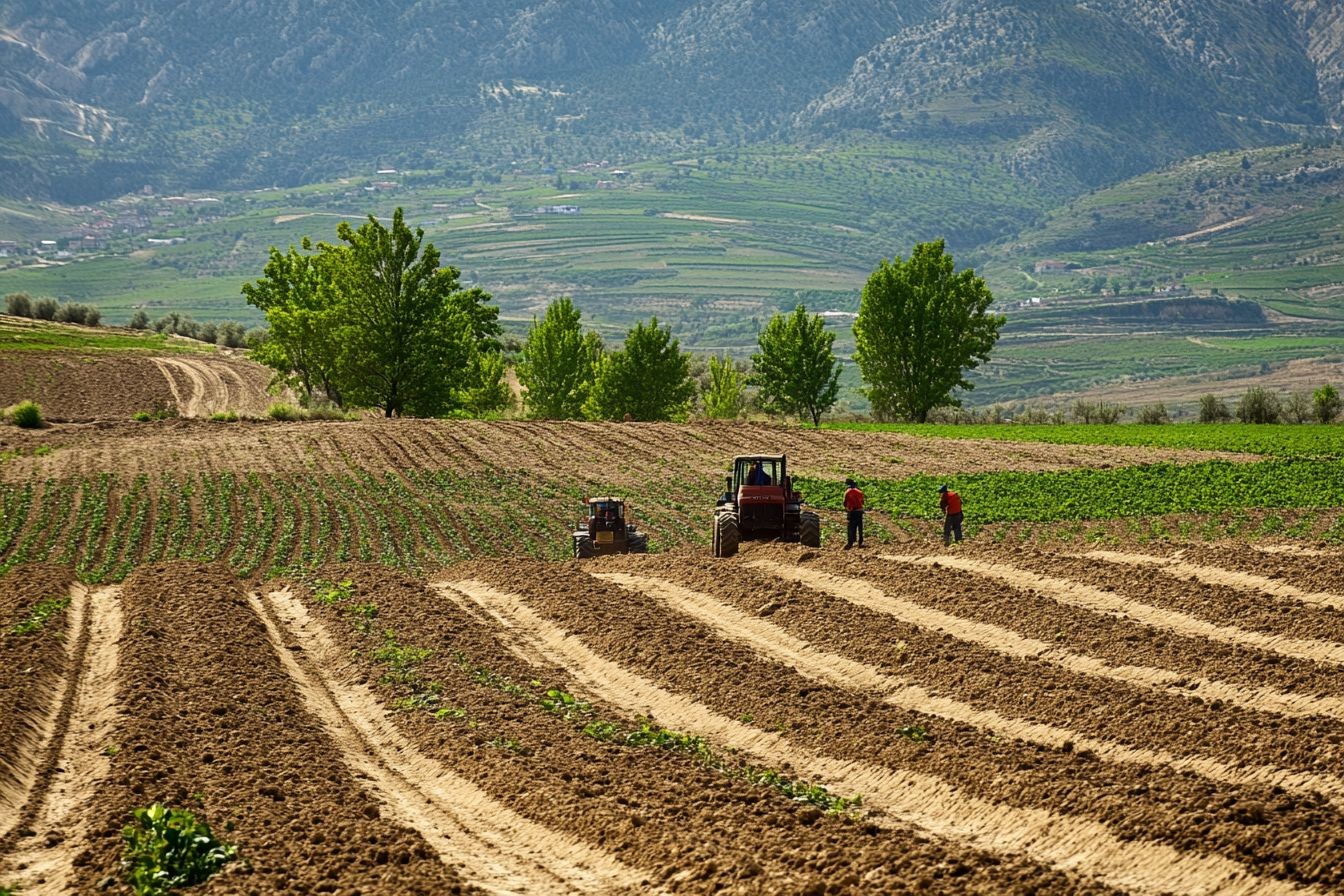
x=1010, y=643
x=842, y=672
x=1086, y=597
x=491, y=845
x=42, y=863
x=37, y=725
x=916, y=799
x=1212, y=575
x=200, y=398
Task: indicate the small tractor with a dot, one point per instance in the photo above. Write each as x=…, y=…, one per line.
x=607, y=531
x=760, y=503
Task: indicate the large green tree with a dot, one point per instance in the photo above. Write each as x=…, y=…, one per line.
x=921, y=326
x=557, y=363
x=796, y=368
x=300, y=306
x=649, y=378
x=378, y=322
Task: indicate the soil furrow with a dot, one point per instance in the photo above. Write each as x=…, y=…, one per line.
x=35, y=693
x=842, y=672
x=923, y=800
x=1010, y=643
x=43, y=863
x=497, y=849
x=212, y=723
x=1109, y=603
x=1212, y=575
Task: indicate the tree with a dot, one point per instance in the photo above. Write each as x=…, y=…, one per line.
x=920, y=326
x=408, y=334
x=725, y=397
x=1259, y=406
x=296, y=294
x=1325, y=403
x=557, y=363
x=487, y=390
x=649, y=378
x=1213, y=409
x=795, y=368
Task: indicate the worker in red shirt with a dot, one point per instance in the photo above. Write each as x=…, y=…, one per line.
x=854, y=513
x=950, y=503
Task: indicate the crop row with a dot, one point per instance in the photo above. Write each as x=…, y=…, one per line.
x=1103, y=494
x=1286, y=440
x=259, y=524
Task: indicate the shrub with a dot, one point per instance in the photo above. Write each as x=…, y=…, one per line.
x=1258, y=406
x=1096, y=412
x=1325, y=403
x=169, y=848
x=1297, y=409
x=225, y=417
x=207, y=332
x=1213, y=409
x=230, y=334
x=327, y=411
x=26, y=415
x=78, y=313
x=282, y=411
x=256, y=337
x=139, y=320
x=19, y=304
x=1154, y=413
x=45, y=308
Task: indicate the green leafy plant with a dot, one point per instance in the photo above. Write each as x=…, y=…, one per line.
x=39, y=615
x=26, y=415
x=168, y=848
x=224, y=417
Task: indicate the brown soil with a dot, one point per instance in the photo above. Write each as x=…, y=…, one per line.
x=72, y=387
x=647, y=452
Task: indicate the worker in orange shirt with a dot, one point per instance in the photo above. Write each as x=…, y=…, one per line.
x=950, y=503
x=854, y=513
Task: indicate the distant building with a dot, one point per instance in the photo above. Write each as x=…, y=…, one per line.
x=556, y=210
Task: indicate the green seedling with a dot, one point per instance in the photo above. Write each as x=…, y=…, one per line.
x=39, y=615
x=169, y=848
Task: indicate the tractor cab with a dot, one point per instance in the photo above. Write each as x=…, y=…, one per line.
x=759, y=502
x=607, y=531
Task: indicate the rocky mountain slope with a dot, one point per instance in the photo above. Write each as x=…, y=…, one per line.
x=97, y=98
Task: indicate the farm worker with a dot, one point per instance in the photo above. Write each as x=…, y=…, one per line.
x=854, y=513
x=950, y=503
x=758, y=476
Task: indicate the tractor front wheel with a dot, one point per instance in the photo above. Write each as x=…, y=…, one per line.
x=809, y=529
x=725, y=535
x=638, y=544
x=583, y=547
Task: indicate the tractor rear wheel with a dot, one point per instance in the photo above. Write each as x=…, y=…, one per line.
x=809, y=529
x=725, y=535
x=638, y=544
x=583, y=547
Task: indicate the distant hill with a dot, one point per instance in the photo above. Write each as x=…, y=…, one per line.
x=99, y=98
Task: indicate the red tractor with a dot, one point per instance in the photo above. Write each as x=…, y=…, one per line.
x=760, y=503
x=607, y=531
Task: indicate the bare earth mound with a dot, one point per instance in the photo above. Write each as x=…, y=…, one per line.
x=77, y=387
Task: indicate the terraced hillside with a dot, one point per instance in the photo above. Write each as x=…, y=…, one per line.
x=352, y=650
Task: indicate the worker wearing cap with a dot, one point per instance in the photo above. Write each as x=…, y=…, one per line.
x=950, y=503
x=854, y=513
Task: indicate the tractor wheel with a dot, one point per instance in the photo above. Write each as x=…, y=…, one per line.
x=725, y=535
x=583, y=547
x=809, y=529
x=638, y=544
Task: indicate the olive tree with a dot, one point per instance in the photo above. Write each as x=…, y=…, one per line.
x=921, y=326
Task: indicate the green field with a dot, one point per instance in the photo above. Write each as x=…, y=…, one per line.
x=22, y=335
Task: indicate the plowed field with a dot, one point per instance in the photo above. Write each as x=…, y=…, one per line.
x=355, y=652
